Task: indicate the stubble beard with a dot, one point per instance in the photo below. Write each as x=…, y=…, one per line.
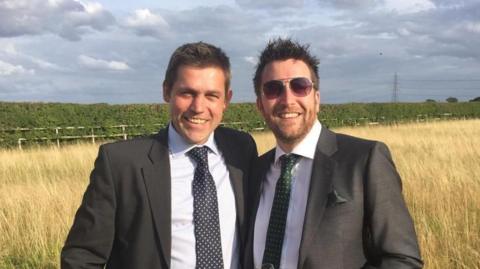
x=290, y=137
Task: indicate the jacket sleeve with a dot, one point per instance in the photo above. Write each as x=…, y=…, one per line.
x=389, y=234
x=90, y=239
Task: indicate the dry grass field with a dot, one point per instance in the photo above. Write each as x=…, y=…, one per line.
x=41, y=188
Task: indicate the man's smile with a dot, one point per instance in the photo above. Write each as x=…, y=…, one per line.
x=195, y=120
x=288, y=115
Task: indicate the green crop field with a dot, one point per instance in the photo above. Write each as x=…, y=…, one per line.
x=55, y=123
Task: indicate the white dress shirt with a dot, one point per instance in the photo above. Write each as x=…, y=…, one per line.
x=301, y=174
x=182, y=169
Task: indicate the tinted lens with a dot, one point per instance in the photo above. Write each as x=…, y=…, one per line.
x=272, y=89
x=301, y=86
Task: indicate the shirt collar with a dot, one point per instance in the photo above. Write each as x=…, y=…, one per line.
x=306, y=148
x=178, y=146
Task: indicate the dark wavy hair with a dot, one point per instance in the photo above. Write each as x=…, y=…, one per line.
x=283, y=49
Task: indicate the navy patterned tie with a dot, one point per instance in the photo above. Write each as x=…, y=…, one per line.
x=208, y=245
x=278, y=216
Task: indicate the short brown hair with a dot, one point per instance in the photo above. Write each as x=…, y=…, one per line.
x=283, y=49
x=197, y=54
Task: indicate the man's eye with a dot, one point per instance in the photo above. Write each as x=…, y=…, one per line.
x=213, y=96
x=185, y=93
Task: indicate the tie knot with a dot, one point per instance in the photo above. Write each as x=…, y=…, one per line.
x=199, y=155
x=288, y=161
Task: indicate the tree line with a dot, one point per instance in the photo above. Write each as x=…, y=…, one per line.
x=150, y=117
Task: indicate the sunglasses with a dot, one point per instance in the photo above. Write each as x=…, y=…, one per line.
x=300, y=87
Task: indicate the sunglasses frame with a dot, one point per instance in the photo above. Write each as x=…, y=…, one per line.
x=283, y=82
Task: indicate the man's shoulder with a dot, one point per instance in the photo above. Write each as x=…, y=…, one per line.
x=235, y=145
x=267, y=156
x=349, y=143
x=232, y=135
x=232, y=132
x=355, y=140
x=134, y=146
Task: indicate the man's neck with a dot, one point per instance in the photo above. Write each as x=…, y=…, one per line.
x=287, y=147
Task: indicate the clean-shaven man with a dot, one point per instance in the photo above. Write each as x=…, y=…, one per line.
x=325, y=200
x=175, y=199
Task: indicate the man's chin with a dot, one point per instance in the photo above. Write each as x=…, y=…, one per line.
x=287, y=130
x=196, y=137
x=287, y=136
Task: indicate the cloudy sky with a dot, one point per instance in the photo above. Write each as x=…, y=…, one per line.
x=116, y=51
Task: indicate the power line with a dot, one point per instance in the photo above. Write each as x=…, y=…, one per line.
x=442, y=80
x=437, y=95
x=441, y=89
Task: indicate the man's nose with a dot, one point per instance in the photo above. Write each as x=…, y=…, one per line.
x=287, y=95
x=198, y=104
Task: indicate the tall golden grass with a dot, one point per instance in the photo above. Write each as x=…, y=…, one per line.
x=41, y=188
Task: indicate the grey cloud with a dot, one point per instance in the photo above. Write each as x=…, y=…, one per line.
x=67, y=18
x=9, y=69
x=350, y=4
x=143, y=22
x=34, y=89
x=452, y=3
x=100, y=64
x=270, y=4
x=44, y=64
x=451, y=32
x=9, y=52
x=224, y=26
x=438, y=31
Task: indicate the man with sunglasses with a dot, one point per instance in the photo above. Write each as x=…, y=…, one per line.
x=324, y=200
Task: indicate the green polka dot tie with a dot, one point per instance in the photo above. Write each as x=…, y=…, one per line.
x=278, y=215
x=208, y=245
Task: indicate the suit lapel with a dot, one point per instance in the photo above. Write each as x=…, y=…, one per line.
x=236, y=175
x=158, y=184
x=320, y=185
x=259, y=174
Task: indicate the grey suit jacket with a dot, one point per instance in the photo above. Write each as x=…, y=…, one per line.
x=356, y=216
x=124, y=220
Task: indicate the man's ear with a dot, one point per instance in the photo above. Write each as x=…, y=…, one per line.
x=228, y=97
x=259, y=104
x=317, y=101
x=166, y=93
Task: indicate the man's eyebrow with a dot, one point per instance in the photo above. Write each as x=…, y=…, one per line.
x=214, y=91
x=186, y=89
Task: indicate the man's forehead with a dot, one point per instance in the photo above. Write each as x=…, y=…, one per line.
x=287, y=68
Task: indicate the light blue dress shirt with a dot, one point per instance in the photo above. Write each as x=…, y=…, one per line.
x=182, y=169
x=301, y=172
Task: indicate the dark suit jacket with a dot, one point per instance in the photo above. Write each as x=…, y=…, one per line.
x=356, y=216
x=124, y=220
